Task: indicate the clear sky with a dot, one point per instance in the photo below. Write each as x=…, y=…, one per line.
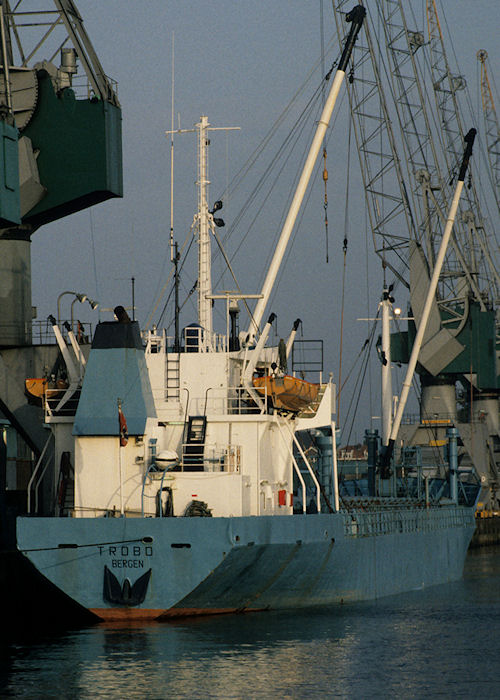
x=239, y=63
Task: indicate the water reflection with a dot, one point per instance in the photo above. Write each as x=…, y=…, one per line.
x=418, y=644
x=235, y=656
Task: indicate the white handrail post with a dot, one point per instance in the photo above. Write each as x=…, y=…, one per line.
x=295, y=465
x=35, y=470
x=335, y=470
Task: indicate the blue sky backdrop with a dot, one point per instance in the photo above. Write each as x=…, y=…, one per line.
x=239, y=63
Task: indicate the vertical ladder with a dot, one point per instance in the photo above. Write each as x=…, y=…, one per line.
x=65, y=487
x=172, y=376
x=68, y=500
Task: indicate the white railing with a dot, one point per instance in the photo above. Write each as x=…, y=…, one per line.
x=155, y=342
x=220, y=401
x=197, y=339
x=60, y=403
x=39, y=472
x=224, y=401
x=214, y=458
x=194, y=339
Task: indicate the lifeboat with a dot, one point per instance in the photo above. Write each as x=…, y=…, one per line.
x=35, y=388
x=288, y=393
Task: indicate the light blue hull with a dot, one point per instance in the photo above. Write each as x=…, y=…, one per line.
x=206, y=565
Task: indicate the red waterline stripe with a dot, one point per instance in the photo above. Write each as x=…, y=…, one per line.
x=153, y=614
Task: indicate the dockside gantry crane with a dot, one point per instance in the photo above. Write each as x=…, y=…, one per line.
x=406, y=110
x=61, y=135
x=60, y=140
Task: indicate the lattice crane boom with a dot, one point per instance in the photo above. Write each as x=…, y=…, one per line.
x=407, y=162
x=492, y=128
x=384, y=177
x=476, y=231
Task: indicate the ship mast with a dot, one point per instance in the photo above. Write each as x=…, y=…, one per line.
x=204, y=252
x=204, y=222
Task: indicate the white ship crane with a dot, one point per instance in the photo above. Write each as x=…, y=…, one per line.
x=354, y=19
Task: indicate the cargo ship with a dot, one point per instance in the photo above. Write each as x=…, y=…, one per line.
x=182, y=485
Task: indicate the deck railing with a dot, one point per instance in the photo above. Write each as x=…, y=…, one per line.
x=398, y=520
x=232, y=400
x=213, y=458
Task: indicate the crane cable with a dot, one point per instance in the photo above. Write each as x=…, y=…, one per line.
x=344, y=248
x=352, y=409
x=323, y=94
x=325, y=204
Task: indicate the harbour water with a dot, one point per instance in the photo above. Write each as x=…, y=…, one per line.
x=441, y=642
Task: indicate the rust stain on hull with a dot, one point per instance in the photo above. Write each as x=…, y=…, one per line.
x=145, y=614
